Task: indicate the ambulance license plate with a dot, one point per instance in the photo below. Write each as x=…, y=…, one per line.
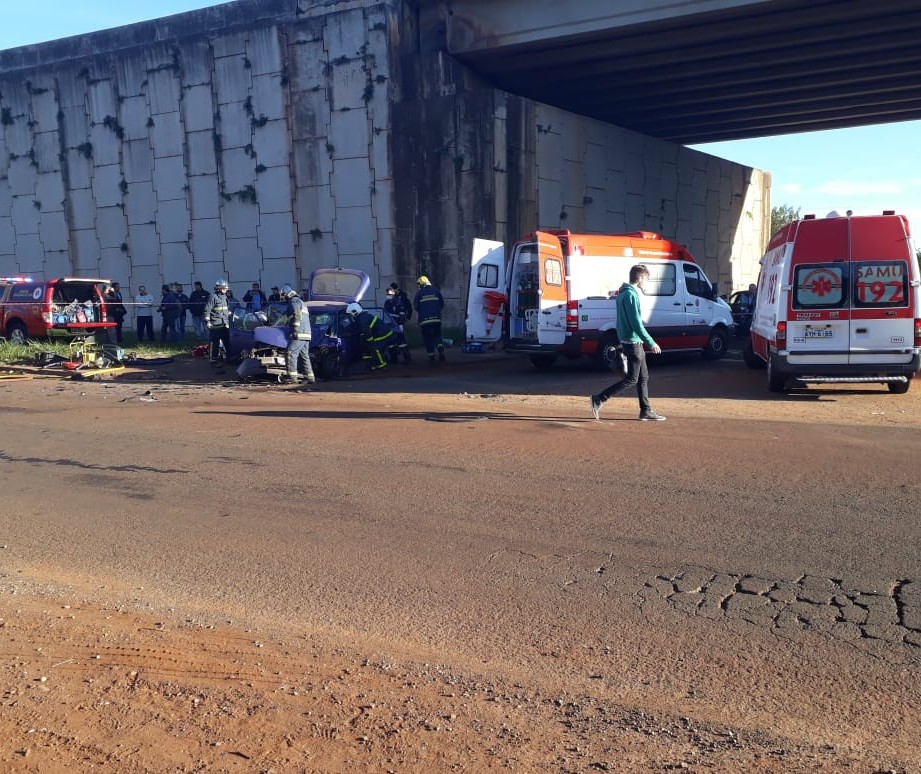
x=819, y=333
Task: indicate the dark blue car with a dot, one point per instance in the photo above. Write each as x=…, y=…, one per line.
x=335, y=346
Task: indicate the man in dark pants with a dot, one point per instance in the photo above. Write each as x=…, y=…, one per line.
x=376, y=335
x=429, y=303
x=217, y=320
x=298, y=352
x=116, y=309
x=197, y=300
x=400, y=309
x=633, y=335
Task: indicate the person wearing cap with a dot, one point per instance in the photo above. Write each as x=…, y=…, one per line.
x=275, y=295
x=399, y=307
x=429, y=304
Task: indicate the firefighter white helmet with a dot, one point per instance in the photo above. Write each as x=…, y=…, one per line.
x=287, y=291
x=222, y=284
x=353, y=309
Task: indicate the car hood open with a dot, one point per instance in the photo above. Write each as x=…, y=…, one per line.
x=345, y=285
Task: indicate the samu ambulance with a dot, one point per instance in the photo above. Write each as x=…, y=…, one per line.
x=839, y=300
x=553, y=293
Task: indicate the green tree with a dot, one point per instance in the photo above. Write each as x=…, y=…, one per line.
x=781, y=216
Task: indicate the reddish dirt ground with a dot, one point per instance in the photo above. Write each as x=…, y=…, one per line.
x=457, y=570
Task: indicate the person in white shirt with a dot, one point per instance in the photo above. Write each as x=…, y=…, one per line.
x=145, y=308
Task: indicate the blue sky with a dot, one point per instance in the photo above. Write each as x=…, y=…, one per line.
x=866, y=169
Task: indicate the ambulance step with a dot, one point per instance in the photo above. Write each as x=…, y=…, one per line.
x=852, y=379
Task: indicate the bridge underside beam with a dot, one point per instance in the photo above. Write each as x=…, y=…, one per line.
x=701, y=71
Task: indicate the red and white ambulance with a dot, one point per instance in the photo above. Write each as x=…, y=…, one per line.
x=839, y=300
x=552, y=294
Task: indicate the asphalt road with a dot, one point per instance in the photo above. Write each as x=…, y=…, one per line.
x=753, y=559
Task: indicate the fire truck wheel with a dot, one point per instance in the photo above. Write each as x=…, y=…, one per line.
x=16, y=333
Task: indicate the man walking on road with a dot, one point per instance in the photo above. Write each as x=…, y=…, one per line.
x=633, y=335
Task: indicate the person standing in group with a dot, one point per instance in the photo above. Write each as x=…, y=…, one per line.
x=298, y=352
x=275, y=295
x=254, y=298
x=633, y=335
x=217, y=320
x=183, y=309
x=170, y=307
x=400, y=309
x=144, y=303
x=429, y=304
x=197, y=300
x=116, y=309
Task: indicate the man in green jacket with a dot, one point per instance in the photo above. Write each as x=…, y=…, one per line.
x=633, y=335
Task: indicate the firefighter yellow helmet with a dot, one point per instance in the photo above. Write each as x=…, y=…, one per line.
x=423, y=281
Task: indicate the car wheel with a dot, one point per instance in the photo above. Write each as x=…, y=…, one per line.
x=542, y=362
x=329, y=365
x=16, y=333
x=717, y=344
x=899, y=388
x=607, y=358
x=751, y=359
x=776, y=382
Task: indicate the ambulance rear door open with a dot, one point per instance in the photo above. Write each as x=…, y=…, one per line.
x=552, y=285
x=487, y=302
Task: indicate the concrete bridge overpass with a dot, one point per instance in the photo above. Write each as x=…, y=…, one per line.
x=694, y=71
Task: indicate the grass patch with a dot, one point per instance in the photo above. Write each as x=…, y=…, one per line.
x=30, y=352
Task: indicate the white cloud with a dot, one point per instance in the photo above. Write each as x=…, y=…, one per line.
x=791, y=188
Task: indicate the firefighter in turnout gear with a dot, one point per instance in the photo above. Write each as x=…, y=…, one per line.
x=298, y=352
x=399, y=307
x=376, y=335
x=217, y=320
x=429, y=304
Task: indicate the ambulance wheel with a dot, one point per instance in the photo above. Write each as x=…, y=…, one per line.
x=899, y=388
x=776, y=382
x=542, y=362
x=717, y=344
x=751, y=359
x=607, y=358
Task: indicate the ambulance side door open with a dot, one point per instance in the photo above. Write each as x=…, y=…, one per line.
x=551, y=318
x=487, y=302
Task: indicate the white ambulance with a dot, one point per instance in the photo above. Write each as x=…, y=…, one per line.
x=839, y=300
x=553, y=295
